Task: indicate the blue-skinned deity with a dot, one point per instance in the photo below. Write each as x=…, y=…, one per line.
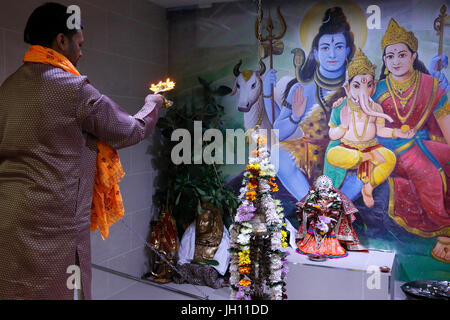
x=303, y=118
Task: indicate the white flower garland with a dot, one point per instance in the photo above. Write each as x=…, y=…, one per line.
x=258, y=186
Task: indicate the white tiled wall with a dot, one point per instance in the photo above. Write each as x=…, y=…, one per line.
x=126, y=48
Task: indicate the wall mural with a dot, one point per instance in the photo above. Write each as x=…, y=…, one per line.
x=382, y=136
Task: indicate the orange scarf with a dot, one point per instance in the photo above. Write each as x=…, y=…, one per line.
x=107, y=206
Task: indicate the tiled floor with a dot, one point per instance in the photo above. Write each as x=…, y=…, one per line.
x=143, y=291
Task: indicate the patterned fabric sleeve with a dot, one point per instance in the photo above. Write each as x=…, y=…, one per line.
x=335, y=118
x=107, y=121
x=443, y=108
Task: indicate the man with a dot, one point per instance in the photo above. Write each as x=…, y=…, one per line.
x=51, y=122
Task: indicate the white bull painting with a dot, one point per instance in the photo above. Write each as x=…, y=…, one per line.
x=254, y=99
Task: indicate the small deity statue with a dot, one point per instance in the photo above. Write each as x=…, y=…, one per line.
x=203, y=257
x=326, y=216
x=165, y=241
x=208, y=235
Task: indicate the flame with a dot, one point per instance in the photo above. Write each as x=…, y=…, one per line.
x=162, y=86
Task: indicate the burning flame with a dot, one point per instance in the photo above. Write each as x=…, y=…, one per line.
x=162, y=86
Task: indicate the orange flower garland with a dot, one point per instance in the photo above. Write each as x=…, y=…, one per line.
x=245, y=269
x=259, y=183
x=251, y=195
x=245, y=282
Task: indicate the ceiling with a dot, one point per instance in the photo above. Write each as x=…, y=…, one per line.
x=188, y=3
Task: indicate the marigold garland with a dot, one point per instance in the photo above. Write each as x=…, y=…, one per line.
x=244, y=257
x=244, y=283
x=251, y=195
x=245, y=269
x=284, y=243
x=258, y=185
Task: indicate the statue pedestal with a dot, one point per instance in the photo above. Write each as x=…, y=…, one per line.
x=355, y=277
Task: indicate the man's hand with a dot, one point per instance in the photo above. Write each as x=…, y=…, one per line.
x=269, y=79
x=299, y=102
x=156, y=99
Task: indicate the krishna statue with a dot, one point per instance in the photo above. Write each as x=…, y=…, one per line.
x=326, y=217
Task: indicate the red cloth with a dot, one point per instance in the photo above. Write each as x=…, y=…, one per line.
x=417, y=199
x=419, y=203
x=421, y=116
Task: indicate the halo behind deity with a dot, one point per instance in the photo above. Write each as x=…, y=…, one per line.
x=313, y=19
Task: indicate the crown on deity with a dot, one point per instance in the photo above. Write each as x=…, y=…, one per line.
x=323, y=182
x=360, y=64
x=396, y=34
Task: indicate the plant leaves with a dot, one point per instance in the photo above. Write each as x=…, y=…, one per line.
x=200, y=191
x=177, y=201
x=199, y=207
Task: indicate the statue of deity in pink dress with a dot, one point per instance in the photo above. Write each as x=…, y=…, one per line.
x=326, y=217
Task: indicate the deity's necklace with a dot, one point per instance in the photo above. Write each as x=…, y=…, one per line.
x=322, y=84
x=354, y=109
x=400, y=87
x=328, y=83
x=403, y=101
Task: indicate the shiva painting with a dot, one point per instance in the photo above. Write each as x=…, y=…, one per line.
x=411, y=154
x=357, y=91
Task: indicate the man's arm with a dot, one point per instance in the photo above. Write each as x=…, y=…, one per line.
x=106, y=120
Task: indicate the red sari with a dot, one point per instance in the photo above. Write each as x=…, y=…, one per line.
x=419, y=194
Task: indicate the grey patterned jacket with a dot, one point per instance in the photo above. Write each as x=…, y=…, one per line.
x=50, y=121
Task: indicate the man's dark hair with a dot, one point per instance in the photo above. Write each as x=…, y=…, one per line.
x=46, y=22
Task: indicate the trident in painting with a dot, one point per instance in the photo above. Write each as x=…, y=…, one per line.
x=270, y=44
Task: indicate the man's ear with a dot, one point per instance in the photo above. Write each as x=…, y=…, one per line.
x=62, y=42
